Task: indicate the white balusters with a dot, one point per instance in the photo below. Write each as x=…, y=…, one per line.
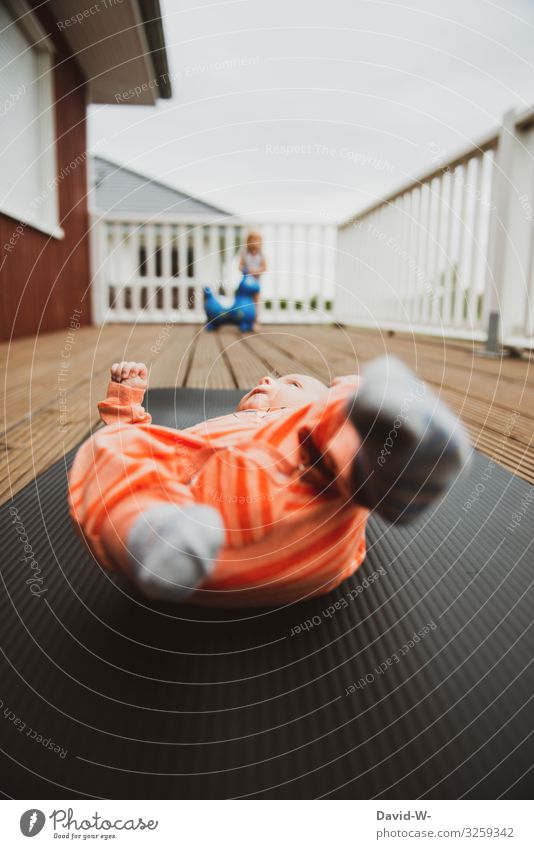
x=214, y=258
x=182, y=268
x=269, y=278
x=452, y=220
x=424, y=247
x=430, y=306
x=166, y=270
x=134, y=254
x=418, y=253
x=274, y=261
x=292, y=272
x=228, y=257
x=458, y=306
x=155, y=270
x=474, y=250
x=198, y=265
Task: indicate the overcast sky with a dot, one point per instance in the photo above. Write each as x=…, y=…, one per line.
x=294, y=107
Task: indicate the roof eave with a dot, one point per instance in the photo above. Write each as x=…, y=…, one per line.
x=153, y=26
x=121, y=52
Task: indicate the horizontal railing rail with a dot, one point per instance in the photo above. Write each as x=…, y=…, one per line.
x=488, y=142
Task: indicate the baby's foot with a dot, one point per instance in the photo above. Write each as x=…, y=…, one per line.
x=171, y=549
x=412, y=446
x=130, y=374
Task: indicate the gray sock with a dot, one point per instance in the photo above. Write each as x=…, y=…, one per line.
x=172, y=549
x=413, y=446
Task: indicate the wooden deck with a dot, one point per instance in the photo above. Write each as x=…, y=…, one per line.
x=53, y=382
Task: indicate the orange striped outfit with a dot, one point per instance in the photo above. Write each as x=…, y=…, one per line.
x=278, y=479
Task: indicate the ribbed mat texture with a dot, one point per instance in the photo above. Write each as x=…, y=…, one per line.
x=413, y=679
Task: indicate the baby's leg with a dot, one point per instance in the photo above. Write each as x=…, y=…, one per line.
x=172, y=549
x=413, y=446
x=130, y=498
x=392, y=447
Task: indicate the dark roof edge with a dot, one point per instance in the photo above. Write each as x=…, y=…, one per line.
x=120, y=167
x=153, y=26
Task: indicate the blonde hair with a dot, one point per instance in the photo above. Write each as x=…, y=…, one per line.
x=254, y=236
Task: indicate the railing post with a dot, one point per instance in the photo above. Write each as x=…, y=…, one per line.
x=510, y=239
x=198, y=257
x=166, y=269
x=182, y=270
x=98, y=259
x=228, y=256
x=215, y=258
x=326, y=270
x=150, y=310
x=500, y=198
x=275, y=262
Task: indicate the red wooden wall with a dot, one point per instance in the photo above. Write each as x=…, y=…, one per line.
x=43, y=280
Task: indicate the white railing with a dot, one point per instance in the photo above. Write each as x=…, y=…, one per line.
x=154, y=269
x=451, y=253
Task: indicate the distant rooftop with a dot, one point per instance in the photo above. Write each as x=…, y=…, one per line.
x=119, y=47
x=118, y=189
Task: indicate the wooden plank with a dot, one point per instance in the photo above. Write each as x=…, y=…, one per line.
x=273, y=358
x=485, y=417
x=509, y=391
x=436, y=348
x=60, y=361
x=494, y=398
x=245, y=365
x=306, y=349
x=209, y=368
x=170, y=356
x=43, y=435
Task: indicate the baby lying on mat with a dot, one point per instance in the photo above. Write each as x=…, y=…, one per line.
x=267, y=505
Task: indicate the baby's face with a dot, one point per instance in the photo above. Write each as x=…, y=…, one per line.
x=292, y=390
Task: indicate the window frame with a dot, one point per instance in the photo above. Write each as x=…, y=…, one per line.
x=45, y=217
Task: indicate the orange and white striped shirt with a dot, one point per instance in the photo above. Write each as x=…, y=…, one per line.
x=277, y=477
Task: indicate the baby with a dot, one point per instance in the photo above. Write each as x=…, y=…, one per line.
x=267, y=505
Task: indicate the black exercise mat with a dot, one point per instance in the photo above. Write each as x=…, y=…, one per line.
x=104, y=695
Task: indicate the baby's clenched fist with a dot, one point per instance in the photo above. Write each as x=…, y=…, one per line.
x=130, y=374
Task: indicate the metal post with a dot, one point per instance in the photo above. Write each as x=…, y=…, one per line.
x=492, y=342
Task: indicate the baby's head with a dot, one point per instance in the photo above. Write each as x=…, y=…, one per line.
x=291, y=390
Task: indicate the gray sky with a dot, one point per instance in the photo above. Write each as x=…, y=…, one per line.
x=319, y=107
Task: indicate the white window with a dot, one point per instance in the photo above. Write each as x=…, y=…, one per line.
x=28, y=185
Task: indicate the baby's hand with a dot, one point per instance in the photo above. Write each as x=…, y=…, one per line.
x=130, y=374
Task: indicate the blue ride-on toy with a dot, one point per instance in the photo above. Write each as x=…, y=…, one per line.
x=242, y=312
